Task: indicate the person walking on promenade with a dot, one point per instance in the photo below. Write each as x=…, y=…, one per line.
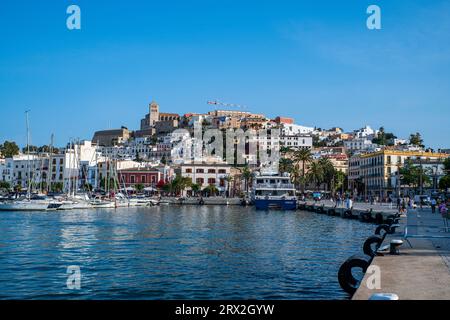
x=443, y=210
x=349, y=203
x=433, y=205
x=399, y=202
x=403, y=207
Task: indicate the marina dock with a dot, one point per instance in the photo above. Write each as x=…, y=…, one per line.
x=363, y=211
x=420, y=272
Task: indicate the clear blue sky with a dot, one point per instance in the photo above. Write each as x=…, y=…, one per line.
x=312, y=60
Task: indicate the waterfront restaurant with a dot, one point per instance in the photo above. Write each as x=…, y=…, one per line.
x=148, y=177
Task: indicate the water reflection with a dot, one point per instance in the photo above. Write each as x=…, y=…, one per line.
x=172, y=252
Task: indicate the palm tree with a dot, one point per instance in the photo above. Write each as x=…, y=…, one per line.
x=285, y=150
x=247, y=175
x=339, y=181
x=304, y=156
x=315, y=173
x=211, y=190
x=229, y=180
x=195, y=188
x=285, y=165
x=296, y=176
x=328, y=171
x=179, y=184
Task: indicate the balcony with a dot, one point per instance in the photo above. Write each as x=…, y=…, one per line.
x=274, y=186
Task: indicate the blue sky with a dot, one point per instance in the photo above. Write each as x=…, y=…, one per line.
x=312, y=60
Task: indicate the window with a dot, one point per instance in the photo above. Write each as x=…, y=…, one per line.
x=199, y=181
x=143, y=179
x=211, y=181
x=200, y=171
x=132, y=179
x=211, y=170
x=222, y=171
x=188, y=170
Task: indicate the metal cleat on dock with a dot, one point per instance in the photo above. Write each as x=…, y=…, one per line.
x=394, y=246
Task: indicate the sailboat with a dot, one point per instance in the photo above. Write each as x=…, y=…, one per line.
x=30, y=203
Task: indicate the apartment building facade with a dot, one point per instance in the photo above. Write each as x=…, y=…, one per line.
x=371, y=174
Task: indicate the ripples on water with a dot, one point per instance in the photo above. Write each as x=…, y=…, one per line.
x=172, y=252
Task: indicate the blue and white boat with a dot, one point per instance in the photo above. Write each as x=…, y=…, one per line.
x=274, y=191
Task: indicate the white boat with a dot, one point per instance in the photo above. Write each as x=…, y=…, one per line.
x=75, y=202
x=30, y=205
x=100, y=203
x=31, y=202
x=142, y=202
x=273, y=191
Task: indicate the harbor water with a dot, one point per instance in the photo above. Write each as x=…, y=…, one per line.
x=176, y=252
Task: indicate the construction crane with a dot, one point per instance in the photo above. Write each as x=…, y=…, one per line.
x=228, y=105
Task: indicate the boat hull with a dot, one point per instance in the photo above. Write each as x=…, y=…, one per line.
x=279, y=204
x=28, y=206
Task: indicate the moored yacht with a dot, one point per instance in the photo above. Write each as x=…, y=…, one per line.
x=34, y=203
x=274, y=191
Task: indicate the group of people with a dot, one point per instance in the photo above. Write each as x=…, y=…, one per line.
x=442, y=207
x=343, y=200
x=403, y=203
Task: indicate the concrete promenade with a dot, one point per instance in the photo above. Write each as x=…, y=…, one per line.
x=418, y=273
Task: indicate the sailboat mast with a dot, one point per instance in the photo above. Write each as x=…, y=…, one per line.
x=28, y=155
x=50, y=165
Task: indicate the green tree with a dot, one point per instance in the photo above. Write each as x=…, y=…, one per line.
x=414, y=176
x=247, y=175
x=110, y=184
x=296, y=176
x=315, y=174
x=139, y=187
x=57, y=187
x=179, y=184
x=447, y=166
x=211, y=190
x=416, y=140
x=384, y=138
x=196, y=188
x=9, y=149
x=285, y=165
x=317, y=143
x=328, y=172
x=304, y=156
x=444, y=183
x=229, y=179
x=339, y=181
x=33, y=149
x=4, y=185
